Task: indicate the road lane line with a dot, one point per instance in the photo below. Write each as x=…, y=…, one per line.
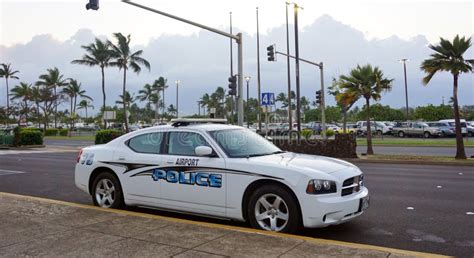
x=228, y=227
x=4, y=172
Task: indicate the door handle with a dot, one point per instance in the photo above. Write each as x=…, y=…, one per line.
x=169, y=162
x=121, y=158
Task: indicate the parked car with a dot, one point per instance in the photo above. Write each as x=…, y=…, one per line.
x=446, y=129
x=376, y=127
x=420, y=129
x=222, y=171
x=452, y=123
x=315, y=126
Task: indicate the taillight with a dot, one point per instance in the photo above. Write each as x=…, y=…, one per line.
x=79, y=156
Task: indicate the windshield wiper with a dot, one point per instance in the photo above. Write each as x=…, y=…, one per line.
x=264, y=154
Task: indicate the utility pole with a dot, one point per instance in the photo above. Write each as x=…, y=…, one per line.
x=237, y=38
x=290, y=120
x=404, y=60
x=259, y=113
x=297, y=69
x=247, y=78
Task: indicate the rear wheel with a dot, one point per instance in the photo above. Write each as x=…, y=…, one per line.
x=107, y=192
x=273, y=208
x=427, y=134
x=379, y=133
x=401, y=134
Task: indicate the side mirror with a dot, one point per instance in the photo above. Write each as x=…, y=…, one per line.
x=203, y=151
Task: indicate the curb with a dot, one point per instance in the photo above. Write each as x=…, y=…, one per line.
x=233, y=228
x=415, y=146
x=27, y=147
x=411, y=162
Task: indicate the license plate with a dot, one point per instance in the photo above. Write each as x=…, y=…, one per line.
x=364, y=203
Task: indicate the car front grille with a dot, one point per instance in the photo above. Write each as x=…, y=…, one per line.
x=352, y=185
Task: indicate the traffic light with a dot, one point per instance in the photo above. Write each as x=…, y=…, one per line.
x=93, y=4
x=271, y=53
x=319, y=97
x=233, y=85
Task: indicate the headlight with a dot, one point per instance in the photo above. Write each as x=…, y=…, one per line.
x=317, y=186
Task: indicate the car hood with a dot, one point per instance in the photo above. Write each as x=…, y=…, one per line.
x=305, y=162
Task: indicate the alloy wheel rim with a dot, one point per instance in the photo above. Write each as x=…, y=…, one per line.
x=271, y=212
x=105, y=193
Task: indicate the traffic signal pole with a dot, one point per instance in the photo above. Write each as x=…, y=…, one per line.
x=238, y=40
x=321, y=71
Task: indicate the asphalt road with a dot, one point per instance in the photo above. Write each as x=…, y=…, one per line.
x=397, y=150
x=420, y=208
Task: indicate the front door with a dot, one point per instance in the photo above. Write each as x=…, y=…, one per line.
x=189, y=182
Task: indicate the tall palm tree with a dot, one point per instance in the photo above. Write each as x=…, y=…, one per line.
x=368, y=82
x=205, y=100
x=124, y=58
x=281, y=97
x=448, y=57
x=22, y=92
x=126, y=100
x=73, y=90
x=160, y=85
x=85, y=104
x=53, y=79
x=147, y=94
x=97, y=54
x=7, y=72
x=36, y=98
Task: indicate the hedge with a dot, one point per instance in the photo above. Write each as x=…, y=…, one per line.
x=29, y=137
x=51, y=132
x=63, y=132
x=105, y=136
x=32, y=129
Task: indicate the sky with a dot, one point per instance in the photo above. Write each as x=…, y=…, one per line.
x=35, y=35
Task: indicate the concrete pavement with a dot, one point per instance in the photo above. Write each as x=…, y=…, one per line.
x=32, y=226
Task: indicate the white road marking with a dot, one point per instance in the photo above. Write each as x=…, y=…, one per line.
x=439, y=187
x=4, y=172
x=469, y=213
x=410, y=208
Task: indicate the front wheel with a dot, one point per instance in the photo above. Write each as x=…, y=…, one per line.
x=401, y=134
x=427, y=135
x=273, y=208
x=107, y=192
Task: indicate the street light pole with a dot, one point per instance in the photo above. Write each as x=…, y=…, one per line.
x=177, y=98
x=259, y=113
x=231, y=73
x=290, y=120
x=404, y=60
x=247, y=78
x=297, y=70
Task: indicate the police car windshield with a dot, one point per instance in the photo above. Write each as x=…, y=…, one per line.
x=241, y=143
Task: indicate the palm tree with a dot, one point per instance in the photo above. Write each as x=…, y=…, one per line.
x=172, y=110
x=22, y=91
x=36, y=98
x=52, y=80
x=7, y=71
x=85, y=104
x=368, y=82
x=146, y=94
x=205, y=100
x=281, y=97
x=159, y=86
x=97, y=54
x=304, y=102
x=74, y=90
x=343, y=98
x=123, y=58
x=448, y=57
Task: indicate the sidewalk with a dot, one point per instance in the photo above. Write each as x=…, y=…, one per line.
x=31, y=226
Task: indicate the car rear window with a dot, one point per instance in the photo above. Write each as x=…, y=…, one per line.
x=146, y=143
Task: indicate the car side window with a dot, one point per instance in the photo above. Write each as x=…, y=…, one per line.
x=184, y=143
x=146, y=143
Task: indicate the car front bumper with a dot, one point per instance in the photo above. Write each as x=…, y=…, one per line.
x=322, y=211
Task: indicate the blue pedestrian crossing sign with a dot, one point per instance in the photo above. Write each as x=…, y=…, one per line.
x=268, y=99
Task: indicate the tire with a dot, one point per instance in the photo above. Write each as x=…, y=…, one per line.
x=469, y=134
x=379, y=133
x=112, y=194
x=401, y=134
x=271, y=133
x=426, y=134
x=287, y=209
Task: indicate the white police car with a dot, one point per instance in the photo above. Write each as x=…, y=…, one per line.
x=221, y=171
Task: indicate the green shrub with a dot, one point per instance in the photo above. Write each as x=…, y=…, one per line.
x=16, y=136
x=32, y=129
x=63, y=132
x=329, y=133
x=105, y=136
x=6, y=139
x=307, y=133
x=29, y=137
x=51, y=132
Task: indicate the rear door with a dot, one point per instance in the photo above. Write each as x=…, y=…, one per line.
x=193, y=183
x=140, y=156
